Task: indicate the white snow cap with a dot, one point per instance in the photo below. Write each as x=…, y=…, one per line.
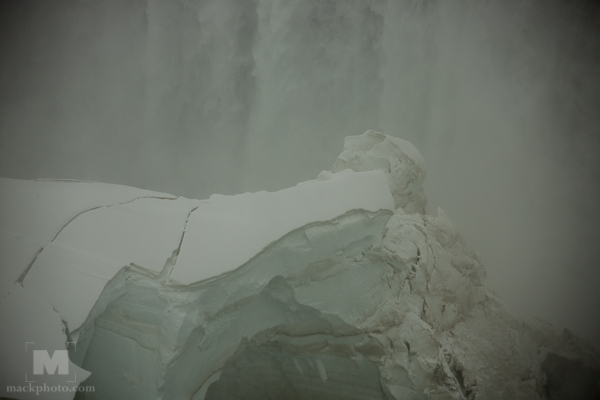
x=402, y=163
x=65, y=247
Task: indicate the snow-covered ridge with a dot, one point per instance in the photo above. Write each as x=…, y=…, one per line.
x=187, y=241
x=64, y=241
x=340, y=287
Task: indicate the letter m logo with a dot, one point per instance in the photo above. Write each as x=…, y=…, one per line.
x=41, y=360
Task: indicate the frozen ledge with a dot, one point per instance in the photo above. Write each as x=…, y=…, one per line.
x=226, y=231
x=182, y=241
x=65, y=242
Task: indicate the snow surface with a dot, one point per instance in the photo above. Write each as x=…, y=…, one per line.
x=227, y=231
x=32, y=213
x=37, y=210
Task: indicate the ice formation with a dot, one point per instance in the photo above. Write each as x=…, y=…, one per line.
x=338, y=288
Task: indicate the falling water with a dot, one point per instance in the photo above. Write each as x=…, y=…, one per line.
x=195, y=97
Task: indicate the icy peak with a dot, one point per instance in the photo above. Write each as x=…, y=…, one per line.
x=399, y=159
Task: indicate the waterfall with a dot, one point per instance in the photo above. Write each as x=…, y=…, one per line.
x=196, y=97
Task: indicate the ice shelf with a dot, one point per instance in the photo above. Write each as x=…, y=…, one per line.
x=343, y=287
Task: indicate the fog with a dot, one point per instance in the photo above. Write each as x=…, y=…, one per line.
x=224, y=96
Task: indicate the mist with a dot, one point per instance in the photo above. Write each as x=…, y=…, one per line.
x=226, y=96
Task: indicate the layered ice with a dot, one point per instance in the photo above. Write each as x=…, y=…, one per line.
x=251, y=221
x=63, y=242
x=183, y=240
x=337, y=288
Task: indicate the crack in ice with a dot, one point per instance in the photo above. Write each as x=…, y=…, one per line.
x=165, y=274
x=37, y=254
